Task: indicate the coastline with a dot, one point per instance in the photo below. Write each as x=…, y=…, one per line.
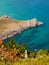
x=15, y=27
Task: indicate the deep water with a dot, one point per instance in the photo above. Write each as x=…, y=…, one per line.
x=35, y=38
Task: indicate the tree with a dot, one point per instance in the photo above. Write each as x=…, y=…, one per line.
x=12, y=44
x=22, y=47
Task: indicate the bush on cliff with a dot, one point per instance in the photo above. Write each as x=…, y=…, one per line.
x=40, y=57
x=22, y=47
x=12, y=44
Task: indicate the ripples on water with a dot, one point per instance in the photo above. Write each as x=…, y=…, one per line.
x=37, y=38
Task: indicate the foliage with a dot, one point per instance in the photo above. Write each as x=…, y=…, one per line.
x=12, y=52
x=31, y=54
x=33, y=61
x=22, y=47
x=42, y=52
x=12, y=44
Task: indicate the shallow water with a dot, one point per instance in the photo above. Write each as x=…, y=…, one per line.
x=35, y=38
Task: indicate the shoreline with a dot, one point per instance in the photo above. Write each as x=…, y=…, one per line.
x=21, y=26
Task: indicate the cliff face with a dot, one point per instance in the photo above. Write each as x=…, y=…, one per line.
x=9, y=27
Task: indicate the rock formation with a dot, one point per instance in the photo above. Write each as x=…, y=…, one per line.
x=10, y=27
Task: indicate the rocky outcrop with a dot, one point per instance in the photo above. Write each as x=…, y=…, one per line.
x=5, y=17
x=19, y=28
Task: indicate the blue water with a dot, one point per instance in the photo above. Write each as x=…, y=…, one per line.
x=35, y=38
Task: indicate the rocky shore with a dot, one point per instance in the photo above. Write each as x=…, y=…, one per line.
x=13, y=27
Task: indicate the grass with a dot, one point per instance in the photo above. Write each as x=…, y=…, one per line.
x=32, y=61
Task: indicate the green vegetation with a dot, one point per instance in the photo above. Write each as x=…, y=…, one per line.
x=12, y=53
x=33, y=61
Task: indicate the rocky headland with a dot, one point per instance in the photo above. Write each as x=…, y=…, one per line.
x=9, y=27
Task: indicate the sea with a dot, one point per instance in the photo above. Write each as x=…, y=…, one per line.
x=34, y=38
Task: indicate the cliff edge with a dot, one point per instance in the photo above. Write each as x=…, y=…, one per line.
x=9, y=27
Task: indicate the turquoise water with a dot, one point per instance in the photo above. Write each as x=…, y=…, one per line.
x=35, y=38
